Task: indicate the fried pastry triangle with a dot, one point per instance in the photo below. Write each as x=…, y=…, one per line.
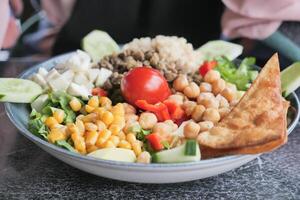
x=256, y=124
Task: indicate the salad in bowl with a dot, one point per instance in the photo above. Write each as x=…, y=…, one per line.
x=156, y=100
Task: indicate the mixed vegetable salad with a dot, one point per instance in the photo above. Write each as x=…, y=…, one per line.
x=147, y=113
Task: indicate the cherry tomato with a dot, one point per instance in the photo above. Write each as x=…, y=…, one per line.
x=144, y=83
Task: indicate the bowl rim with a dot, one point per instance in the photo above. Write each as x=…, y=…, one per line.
x=109, y=163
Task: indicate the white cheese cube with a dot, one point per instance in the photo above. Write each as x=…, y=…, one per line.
x=80, y=79
x=39, y=80
x=78, y=90
x=103, y=76
x=43, y=72
x=92, y=74
x=69, y=75
x=59, y=83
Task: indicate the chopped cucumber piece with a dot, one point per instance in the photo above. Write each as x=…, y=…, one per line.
x=39, y=103
x=290, y=78
x=216, y=48
x=99, y=44
x=116, y=154
x=178, y=154
x=190, y=148
x=18, y=90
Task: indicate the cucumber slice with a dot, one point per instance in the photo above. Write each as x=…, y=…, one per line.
x=116, y=154
x=99, y=44
x=215, y=48
x=18, y=90
x=290, y=78
x=177, y=155
x=190, y=148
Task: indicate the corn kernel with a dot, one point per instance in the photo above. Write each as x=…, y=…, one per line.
x=103, y=137
x=89, y=108
x=72, y=128
x=136, y=147
x=91, y=137
x=91, y=148
x=105, y=102
x=109, y=144
x=79, y=143
x=59, y=115
x=94, y=102
x=130, y=137
x=75, y=104
x=115, y=129
x=55, y=135
x=107, y=117
x=80, y=125
x=92, y=117
x=51, y=122
x=124, y=144
x=79, y=117
x=122, y=135
x=99, y=111
x=118, y=109
x=114, y=139
x=101, y=126
x=90, y=126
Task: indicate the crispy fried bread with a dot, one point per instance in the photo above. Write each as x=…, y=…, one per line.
x=257, y=123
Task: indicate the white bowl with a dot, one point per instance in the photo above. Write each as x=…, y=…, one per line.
x=132, y=172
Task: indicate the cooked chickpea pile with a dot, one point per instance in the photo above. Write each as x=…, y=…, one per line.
x=206, y=103
x=101, y=126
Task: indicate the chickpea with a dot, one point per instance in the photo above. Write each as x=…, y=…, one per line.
x=231, y=86
x=171, y=124
x=223, y=103
x=129, y=109
x=206, y=95
x=147, y=120
x=224, y=111
x=211, y=114
x=176, y=98
x=198, y=112
x=205, y=125
x=212, y=76
x=191, y=130
x=205, y=87
x=162, y=129
x=192, y=90
x=131, y=117
x=180, y=83
x=144, y=157
x=199, y=138
x=229, y=94
x=211, y=102
x=188, y=107
x=218, y=86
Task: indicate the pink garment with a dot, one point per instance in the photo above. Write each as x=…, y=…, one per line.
x=257, y=19
x=4, y=16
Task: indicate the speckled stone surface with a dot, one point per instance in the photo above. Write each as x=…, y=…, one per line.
x=27, y=172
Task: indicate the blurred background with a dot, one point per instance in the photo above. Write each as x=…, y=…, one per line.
x=48, y=28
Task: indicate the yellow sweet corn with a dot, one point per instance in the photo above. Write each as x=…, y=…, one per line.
x=59, y=115
x=55, y=135
x=93, y=102
x=91, y=148
x=99, y=111
x=124, y=144
x=107, y=117
x=115, y=129
x=130, y=137
x=51, y=122
x=80, y=125
x=105, y=102
x=91, y=137
x=90, y=126
x=89, y=108
x=136, y=147
x=103, y=137
x=92, y=117
x=75, y=104
x=118, y=109
x=79, y=143
x=109, y=144
x=114, y=139
x=122, y=135
x=101, y=126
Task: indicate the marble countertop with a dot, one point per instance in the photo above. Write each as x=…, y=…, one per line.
x=28, y=172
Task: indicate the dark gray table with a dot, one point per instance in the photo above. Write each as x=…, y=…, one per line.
x=27, y=172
